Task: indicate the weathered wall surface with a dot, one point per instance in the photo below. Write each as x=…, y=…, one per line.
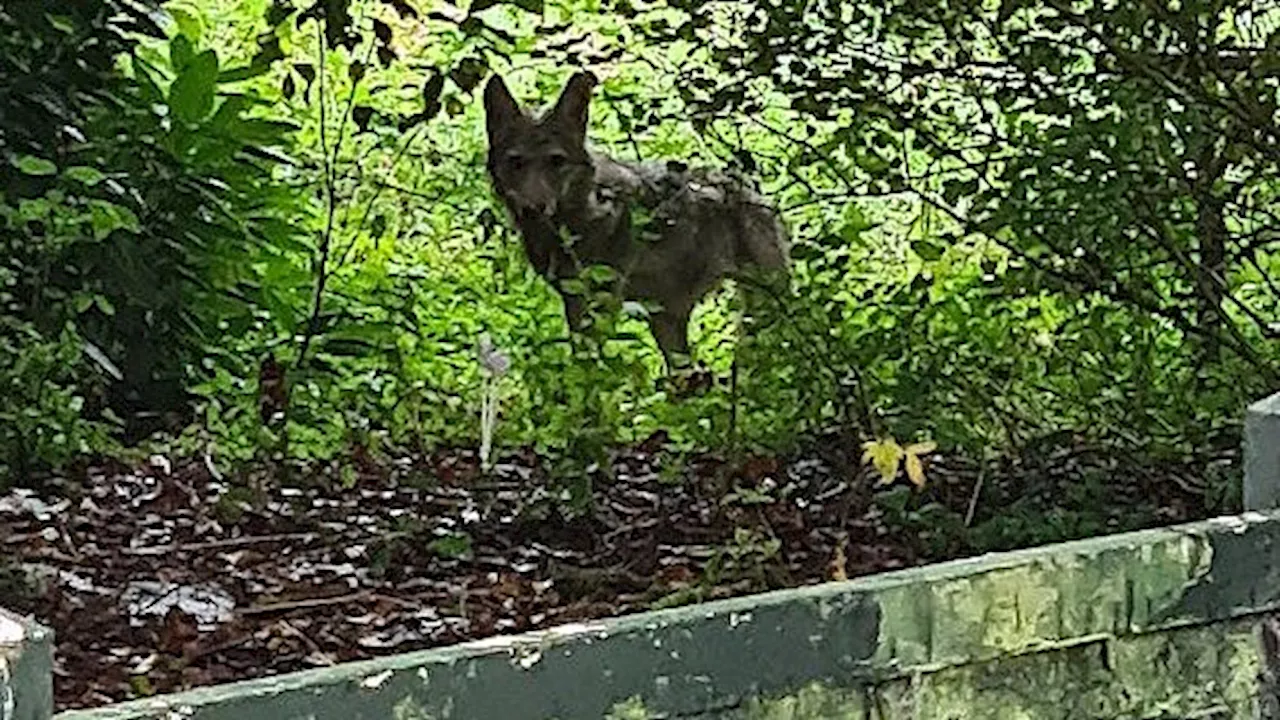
x=26, y=669
x=1199, y=672
x=1262, y=454
x=1165, y=623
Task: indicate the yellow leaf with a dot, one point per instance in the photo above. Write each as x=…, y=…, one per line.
x=839, y=572
x=885, y=455
x=922, y=448
x=915, y=470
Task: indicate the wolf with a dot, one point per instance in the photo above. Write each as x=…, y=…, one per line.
x=669, y=233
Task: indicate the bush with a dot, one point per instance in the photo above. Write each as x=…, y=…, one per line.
x=139, y=215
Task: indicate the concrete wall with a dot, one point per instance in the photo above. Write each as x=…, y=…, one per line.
x=1170, y=623
x=1262, y=454
x=26, y=669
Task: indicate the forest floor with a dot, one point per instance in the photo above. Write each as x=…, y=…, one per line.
x=158, y=578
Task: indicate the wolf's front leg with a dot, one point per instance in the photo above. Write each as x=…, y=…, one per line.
x=671, y=330
x=572, y=311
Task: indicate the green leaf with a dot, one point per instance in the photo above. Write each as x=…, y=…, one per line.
x=453, y=545
x=533, y=6
x=631, y=308
x=85, y=174
x=191, y=97
x=62, y=24
x=244, y=72
x=599, y=274
x=104, y=305
x=265, y=132
x=227, y=117
x=468, y=73
x=180, y=52
x=142, y=72
x=105, y=218
x=31, y=165
x=189, y=25
x=926, y=250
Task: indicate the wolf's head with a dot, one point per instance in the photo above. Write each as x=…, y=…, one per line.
x=536, y=163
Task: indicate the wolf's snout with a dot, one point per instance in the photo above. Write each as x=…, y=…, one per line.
x=544, y=209
x=536, y=201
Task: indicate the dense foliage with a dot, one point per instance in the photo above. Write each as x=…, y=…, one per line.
x=139, y=223
x=1121, y=157
x=1010, y=221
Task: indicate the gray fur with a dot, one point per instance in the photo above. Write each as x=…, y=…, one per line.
x=670, y=233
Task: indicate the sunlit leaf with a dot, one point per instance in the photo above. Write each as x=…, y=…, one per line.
x=188, y=23
x=885, y=455
x=915, y=470
x=106, y=218
x=914, y=466
x=533, y=6
x=922, y=448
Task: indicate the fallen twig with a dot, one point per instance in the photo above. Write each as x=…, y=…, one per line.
x=218, y=544
x=305, y=604
x=973, y=499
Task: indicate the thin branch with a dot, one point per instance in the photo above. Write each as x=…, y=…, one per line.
x=321, y=265
x=368, y=208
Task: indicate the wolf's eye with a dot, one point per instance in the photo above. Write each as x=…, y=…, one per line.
x=515, y=160
x=557, y=160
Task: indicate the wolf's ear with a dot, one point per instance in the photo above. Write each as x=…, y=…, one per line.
x=570, y=112
x=500, y=109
